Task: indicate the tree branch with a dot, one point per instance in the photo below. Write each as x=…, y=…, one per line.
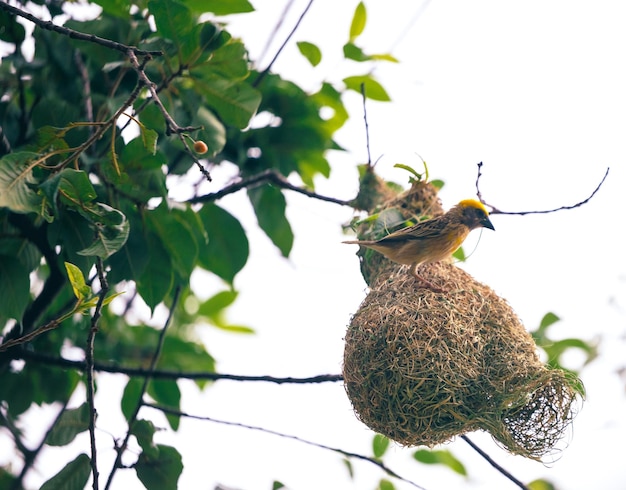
x=494, y=464
x=132, y=419
x=347, y=454
x=495, y=210
x=89, y=362
x=168, y=374
x=71, y=33
x=171, y=125
x=267, y=176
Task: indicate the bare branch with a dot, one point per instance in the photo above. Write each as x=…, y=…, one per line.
x=367, y=128
x=168, y=374
x=493, y=463
x=347, y=454
x=131, y=420
x=71, y=33
x=267, y=176
x=495, y=210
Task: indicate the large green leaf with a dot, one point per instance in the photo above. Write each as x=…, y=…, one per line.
x=173, y=20
x=176, y=228
x=14, y=287
x=160, y=472
x=269, y=206
x=167, y=393
x=235, y=102
x=157, y=278
x=12, y=31
x=220, y=7
x=227, y=250
x=111, y=230
x=213, y=132
x=71, y=423
x=73, y=477
x=69, y=186
x=130, y=397
x=17, y=183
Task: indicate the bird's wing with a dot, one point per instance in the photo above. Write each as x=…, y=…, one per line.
x=419, y=231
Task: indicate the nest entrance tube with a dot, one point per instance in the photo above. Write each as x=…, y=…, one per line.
x=422, y=367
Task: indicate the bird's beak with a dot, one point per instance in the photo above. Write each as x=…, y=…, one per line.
x=487, y=224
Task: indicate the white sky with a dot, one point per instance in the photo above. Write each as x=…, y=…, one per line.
x=535, y=90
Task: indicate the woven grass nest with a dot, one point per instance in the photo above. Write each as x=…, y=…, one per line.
x=422, y=367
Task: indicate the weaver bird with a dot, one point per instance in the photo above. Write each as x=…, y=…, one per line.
x=431, y=240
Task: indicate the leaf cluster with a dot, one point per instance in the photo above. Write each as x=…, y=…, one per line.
x=94, y=137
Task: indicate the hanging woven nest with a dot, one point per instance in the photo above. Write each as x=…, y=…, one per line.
x=421, y=367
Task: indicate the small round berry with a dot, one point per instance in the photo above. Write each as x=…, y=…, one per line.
x=200, y=147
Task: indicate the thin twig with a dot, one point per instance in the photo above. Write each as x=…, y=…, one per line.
x=495, y=210
x=271, y=176
x=144, y=387
x=493, y=463
x=71, y=33
x=277, y=27
x=262, y=75
x=31, y=456
x=171, y=125
x=168, y=374
x=347, y=454
x=367, y=128
x=89, y=362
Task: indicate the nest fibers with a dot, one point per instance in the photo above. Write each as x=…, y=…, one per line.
x=421, y=367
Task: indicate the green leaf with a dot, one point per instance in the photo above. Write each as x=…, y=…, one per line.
x=111, y=227
x=373, y=89
x=77, y=280
x=12, y=31
x=437, y=183
x=269, y=206
x=358, y=21
x=234, y=102
x=71, y=423
x=14, y=287
x=166, y=392
x=276, y=485
x=157, y=278
x=220, y=7
x=443, y=457
x=144, y=431
x=540, y=485
x=459, y=254
x=384, y=484
x=547, y=320
x=215, y=305
x=353, y=52
x=175, y=227
x=69, y=186
x=311, y=52
x=160, y=472
x=213, y=132
x=17, y=183
x=227, y=251
x=131, y=397
x=149, y=138
x=185, y=355
x=173, y=20
x=73, y=477
x=380, y=445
